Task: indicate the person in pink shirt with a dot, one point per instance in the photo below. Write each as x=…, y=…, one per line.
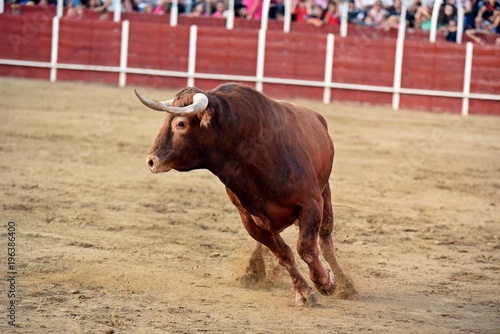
x=254, y=9
x=220, y=10
x=162, y=7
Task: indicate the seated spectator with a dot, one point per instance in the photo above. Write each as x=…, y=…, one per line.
x=366, y=5
x=93, y=4
x=322, y=3
x=74, y=13
x=277, y=10
x=254, y=9
x=330, y=16
x=240, y=10
x=129, y=6
x=162, y=7
x=103, y=6
x=470, y=13
x=447, y=13
x=316, y=12
x=146, y=9
x=488, y=16
x=451, y=31
x=301, y=10
x=473, y=34
x=167, y=6
x=220, y=10
x=355, y=14
x=15, y=8
x=394, y=16
x=376, y=15
x=411, y=11
x=423, y=18
x=198, y=10
x=45, y=4
x=187, y=6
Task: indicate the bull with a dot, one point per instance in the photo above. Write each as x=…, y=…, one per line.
x=275, y=160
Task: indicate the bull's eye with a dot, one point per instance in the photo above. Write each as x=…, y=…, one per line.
x=181, y=124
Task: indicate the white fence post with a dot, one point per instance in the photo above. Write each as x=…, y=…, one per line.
x=434, y=20
x=60, y=7
x=288, y=16
x=467, y=77
x=54, y=49
x=460, y=21
x=398, y=62
x=174, y=12
x=122, y=80
x=230, y=16
x=265, y=14
x=117, y=14
x=193, y=39
x=261, y=54
x=330, y=42
x=344, y=9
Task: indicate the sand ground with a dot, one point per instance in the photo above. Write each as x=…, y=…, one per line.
x=103, y=245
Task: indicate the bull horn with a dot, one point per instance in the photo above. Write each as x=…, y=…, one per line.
x=200, y=102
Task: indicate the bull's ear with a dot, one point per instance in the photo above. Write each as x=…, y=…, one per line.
x=206, y=116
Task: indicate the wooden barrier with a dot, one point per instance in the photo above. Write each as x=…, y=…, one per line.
x=366, y=59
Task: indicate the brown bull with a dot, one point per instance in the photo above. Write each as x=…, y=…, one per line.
x=275, y=160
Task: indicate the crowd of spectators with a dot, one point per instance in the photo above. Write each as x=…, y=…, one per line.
x=480, y=16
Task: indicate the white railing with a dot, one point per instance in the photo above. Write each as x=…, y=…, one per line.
x=259, y=78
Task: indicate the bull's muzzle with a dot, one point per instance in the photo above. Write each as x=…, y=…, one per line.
x=153, y=163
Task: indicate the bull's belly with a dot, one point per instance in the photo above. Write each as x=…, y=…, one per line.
x=266, y=214
x=276, y=218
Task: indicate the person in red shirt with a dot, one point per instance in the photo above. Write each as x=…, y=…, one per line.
x=330, y=16
x=302, y=10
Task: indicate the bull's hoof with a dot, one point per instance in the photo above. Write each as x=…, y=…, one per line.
x=330, y=288
x=309, y=301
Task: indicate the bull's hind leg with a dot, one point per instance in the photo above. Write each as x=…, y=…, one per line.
x=304, y=295
x=344, y=287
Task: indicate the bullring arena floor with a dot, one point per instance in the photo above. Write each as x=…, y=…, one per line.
x=103, y=245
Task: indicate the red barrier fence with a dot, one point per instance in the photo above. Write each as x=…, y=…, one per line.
x=280, y=64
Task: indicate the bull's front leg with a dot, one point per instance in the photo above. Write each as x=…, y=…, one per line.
x=304, y=294
x=307, y=246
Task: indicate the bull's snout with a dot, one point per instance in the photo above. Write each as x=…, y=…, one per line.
x=152, y=163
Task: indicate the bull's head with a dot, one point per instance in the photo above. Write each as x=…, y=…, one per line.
x=177, y=145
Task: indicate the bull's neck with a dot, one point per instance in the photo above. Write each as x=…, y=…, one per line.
x=230, y=163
